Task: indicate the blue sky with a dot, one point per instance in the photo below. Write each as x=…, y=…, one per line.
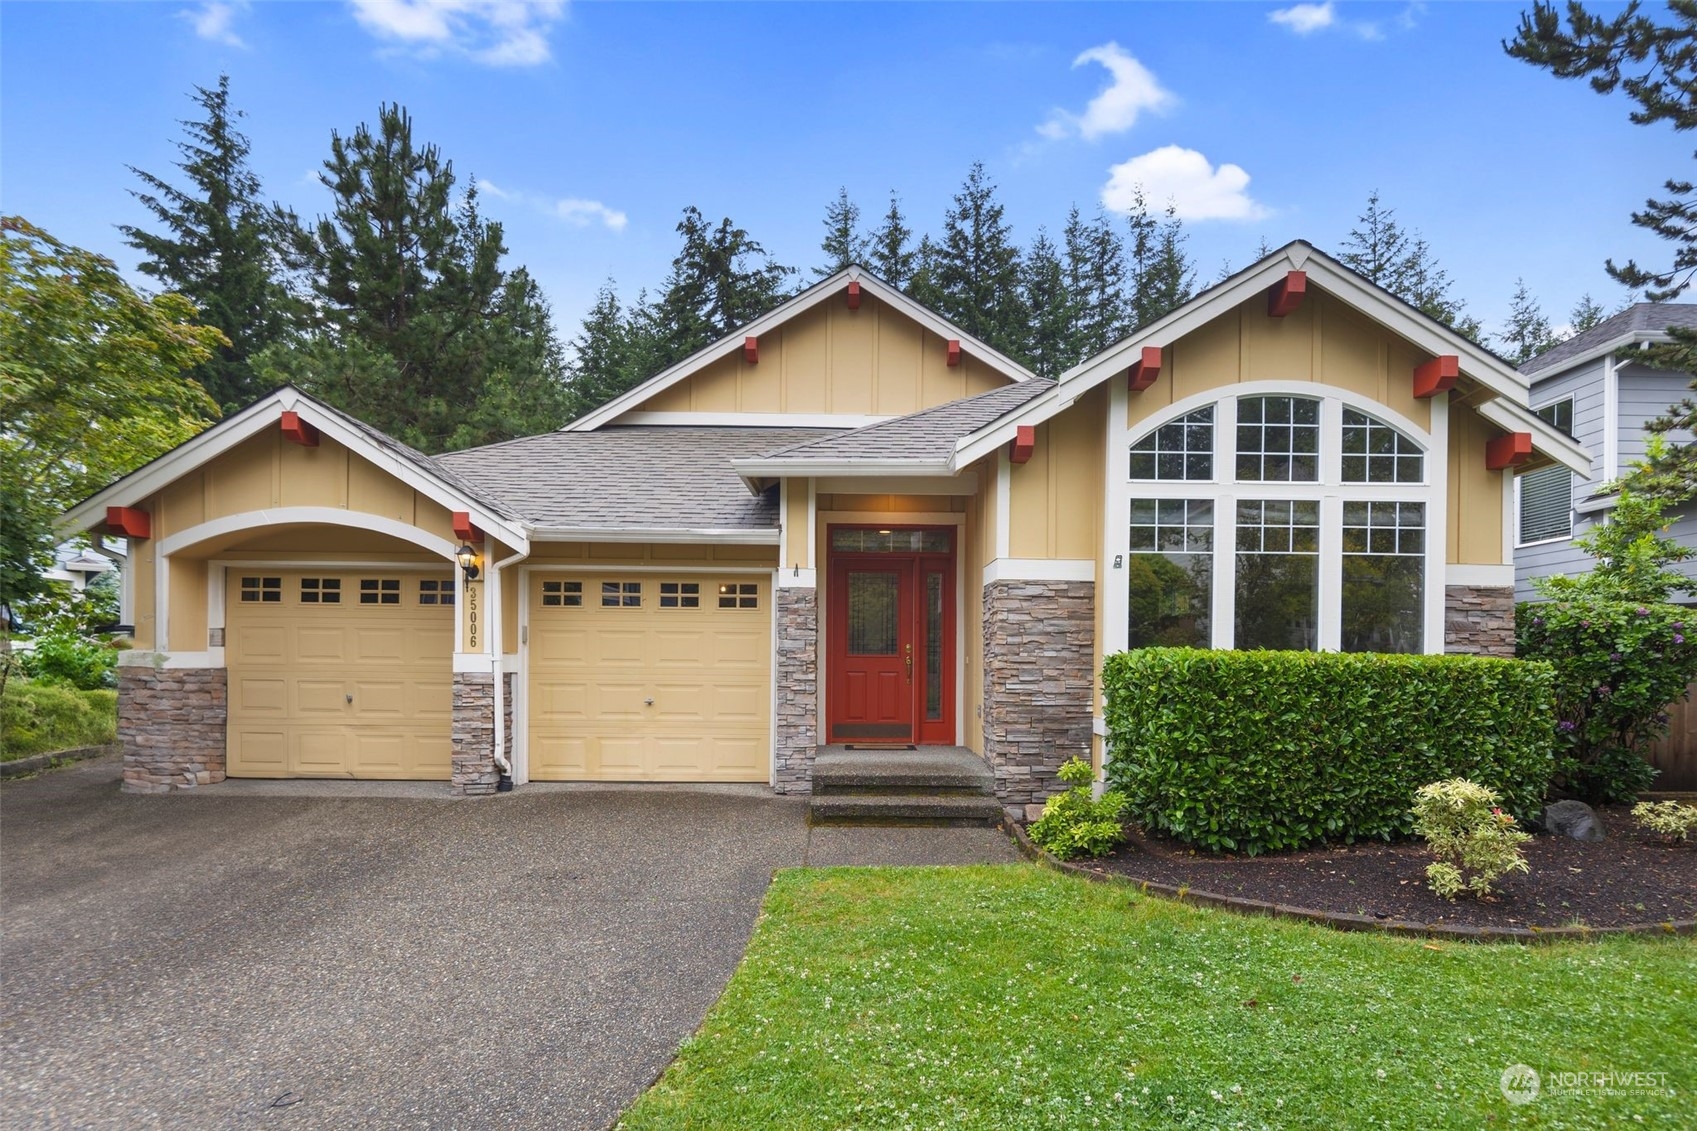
x=594, y=124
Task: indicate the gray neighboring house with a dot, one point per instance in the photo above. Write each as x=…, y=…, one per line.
x=1589, y=386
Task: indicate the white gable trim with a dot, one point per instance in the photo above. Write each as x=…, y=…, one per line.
x=821, y=291
x=327, y=516
x=251, y=421
x=1546, y=437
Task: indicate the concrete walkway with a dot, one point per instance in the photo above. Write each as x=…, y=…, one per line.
x=290, y=954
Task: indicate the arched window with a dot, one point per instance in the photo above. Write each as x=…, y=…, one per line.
x=1278, y=520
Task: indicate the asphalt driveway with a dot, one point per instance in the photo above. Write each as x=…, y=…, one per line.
x=307, y=958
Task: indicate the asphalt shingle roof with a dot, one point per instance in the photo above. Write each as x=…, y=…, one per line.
x=929, y=434
x=635, y=477
x=1640, y=318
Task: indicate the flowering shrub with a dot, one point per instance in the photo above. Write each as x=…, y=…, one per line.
x=1073, y=824
x=1668, y=819
x=1475, y=842
x=1619, y=664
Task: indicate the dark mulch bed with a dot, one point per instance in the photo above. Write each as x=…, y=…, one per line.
x=1609, y=883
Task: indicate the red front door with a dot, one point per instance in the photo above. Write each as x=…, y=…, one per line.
x=890, y=637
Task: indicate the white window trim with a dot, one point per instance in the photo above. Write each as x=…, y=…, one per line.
x=1572, y=512
x=1330, y=491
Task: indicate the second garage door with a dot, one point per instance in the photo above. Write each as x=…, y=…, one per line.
x=642, y=677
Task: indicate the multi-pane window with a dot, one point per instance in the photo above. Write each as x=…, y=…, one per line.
x=856, y=540
x=1181, y=449
x=562, y=594
x=262, y=590
x=435, y=591
x=1171, y=572
x=1278, y=573
x=379, y=590
x=621, y=594
x=1278, y=440
x=1384, y=549
x=680, y=595
x=321, y=590
x=739, y=595
x=1546, y=495
x=1374, y=452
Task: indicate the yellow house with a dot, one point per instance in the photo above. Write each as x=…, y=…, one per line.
x=849, y=523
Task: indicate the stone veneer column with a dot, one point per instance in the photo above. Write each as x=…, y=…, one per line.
x=1039, y=682
x=1479, y=619
x=474, y=772
x=172, y=725
x=795, y=730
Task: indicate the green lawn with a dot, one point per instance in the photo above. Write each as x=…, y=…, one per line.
x=1015, y=997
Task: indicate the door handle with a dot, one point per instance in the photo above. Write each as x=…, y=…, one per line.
x=350, y=699
x=648, y=702
x=910, y=663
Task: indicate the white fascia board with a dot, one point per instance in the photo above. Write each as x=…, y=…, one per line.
x=778, y=468
x=257, y=417
x=1546, y=437
x=971, y=448
x=821, y=291
x=1613, y=345
x=742, y=536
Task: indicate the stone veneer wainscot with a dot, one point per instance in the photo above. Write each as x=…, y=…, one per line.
x=474, y=772
x=795, y=730
x=1039, y=683
x=171, y=724
x=1479, y=619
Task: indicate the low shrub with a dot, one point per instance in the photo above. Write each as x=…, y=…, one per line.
x=1475, y=842
x=1268, y=751
x=1074, y=824
x=1618, y=665
x=39, y=717
x=1669, y=820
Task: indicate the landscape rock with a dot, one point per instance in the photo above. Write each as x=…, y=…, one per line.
x=1574, y=819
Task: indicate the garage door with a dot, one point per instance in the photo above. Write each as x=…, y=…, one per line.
x=650, y=678
x=339, y=674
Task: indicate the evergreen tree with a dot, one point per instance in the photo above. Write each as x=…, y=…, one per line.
x=843, y=244
x=1052, y=346
x=975, y=270
x=1527, y=333
x=602, y=353
x=1402, y=263
x=1655, y=64
x=415, y=319
x=216, y=246
x=1096, y=282
x=889, y=250
x=1162, y=278
x=1586, y=313
x=720, y=281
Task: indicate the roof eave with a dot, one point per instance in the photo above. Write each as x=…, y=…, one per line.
x=1547, y=439
x=737, y=535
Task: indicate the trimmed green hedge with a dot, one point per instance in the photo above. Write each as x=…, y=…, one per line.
x=39, y=717
x=1268, y=751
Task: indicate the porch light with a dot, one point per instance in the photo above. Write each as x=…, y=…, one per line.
x=468, y=561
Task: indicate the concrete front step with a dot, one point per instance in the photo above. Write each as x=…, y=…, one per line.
x=937, y=769
x=905, y=809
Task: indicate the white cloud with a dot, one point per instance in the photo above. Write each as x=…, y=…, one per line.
x=1197, y=189
x=576, y=211
x=1133, y=89
x=214, y=20
x=500, y=33
x=1306, y=19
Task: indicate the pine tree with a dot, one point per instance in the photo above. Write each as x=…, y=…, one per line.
x=889, y=249
x=1403, y=264
x=1096, y=280
x=721, y=280
x=975, y=269
x=216, y=248
x=1586, y=313
x=1527, y=332
x=843, y=244
x=416, y=321
x=602, y=353
x=1052, y=346
x=1162, y=278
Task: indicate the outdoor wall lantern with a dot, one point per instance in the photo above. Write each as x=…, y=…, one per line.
x=468, y=561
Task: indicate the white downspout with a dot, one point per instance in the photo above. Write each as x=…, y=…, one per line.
x=496, y=628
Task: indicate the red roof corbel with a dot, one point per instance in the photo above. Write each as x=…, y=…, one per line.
x=1286, y=295
x=1148, y=367
x=464, y=529
x=751, y=350
x=1023, y=443
x=1436, y=376
x=298, y=431
x=854, y=294
x=1508, y=450
x=131, y=522
x=952, y=352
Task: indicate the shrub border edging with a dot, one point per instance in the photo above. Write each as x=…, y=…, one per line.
x=18, y=767
x=1343, y=922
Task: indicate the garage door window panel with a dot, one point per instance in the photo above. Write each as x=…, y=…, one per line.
x=621, y=594
x=680, y=595
x=262, y=590
x=434, y=592
x=562, y=594
x=321, y=591
x=380, y=591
